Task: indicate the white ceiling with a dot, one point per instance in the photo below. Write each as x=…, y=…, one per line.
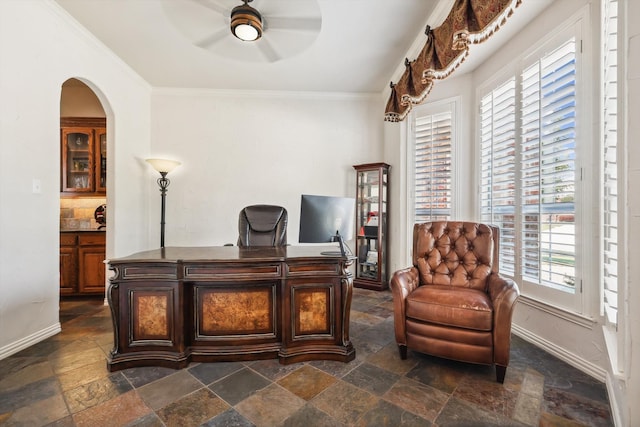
x=359, y=46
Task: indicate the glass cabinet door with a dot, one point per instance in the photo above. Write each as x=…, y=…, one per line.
x=77, y=150
x=371, y=226
x=101, y=160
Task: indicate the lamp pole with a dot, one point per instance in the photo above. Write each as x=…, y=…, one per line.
x=163, y=182
x=164, y=167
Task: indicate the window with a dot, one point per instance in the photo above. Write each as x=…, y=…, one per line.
x=497, y=168
x=432, y=161
x=548, y=168
x=529, y=170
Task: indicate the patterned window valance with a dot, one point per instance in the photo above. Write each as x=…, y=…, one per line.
x=447, y=46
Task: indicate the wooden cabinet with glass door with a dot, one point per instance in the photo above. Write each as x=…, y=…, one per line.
x=371, y=225
x=84, y=156
x=101, y=160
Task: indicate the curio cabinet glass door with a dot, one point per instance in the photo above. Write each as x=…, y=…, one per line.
x=371, y=225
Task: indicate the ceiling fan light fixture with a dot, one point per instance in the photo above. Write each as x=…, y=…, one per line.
x=246, y=22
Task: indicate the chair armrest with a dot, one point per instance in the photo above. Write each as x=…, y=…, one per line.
x=504, y=294
x=402, y=283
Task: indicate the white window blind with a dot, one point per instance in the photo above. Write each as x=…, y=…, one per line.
x=432, y=157
x=609, y=165
x=547, y=168
x=498, y=172
x=528, y=168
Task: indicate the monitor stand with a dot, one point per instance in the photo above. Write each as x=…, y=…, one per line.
x=344, y=249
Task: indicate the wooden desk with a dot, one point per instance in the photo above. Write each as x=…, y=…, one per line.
x=174, y=306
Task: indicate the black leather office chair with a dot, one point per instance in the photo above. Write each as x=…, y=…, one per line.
x=262, y=225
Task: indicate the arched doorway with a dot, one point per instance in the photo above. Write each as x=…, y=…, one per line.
x=83, y=191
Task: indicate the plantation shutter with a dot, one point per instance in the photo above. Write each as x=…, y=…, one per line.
x=610, y=194
x=433, y=167
x=547, y=163
x=498, y=174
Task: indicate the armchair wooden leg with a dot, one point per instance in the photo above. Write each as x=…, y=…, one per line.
x=403, y=351
x=500, y=373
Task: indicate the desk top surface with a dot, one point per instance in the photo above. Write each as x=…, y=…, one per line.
x=231, y=253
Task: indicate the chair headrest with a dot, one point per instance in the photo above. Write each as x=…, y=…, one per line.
x=263, y=218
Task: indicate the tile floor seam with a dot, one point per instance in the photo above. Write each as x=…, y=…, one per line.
x=449, y=397
x=64, y=398
x=267, y=378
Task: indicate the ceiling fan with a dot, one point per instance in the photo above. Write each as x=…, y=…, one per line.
x=264, y=31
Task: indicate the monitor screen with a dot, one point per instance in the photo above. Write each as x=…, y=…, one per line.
x=322, y=218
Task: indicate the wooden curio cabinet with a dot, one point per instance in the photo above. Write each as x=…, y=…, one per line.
x=372, y=212
x=84, y=156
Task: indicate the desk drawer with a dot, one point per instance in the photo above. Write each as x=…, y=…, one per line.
x=311, y=269
x=226, y=271
x=146, y=271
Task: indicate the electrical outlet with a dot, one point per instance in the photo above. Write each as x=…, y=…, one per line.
x=36, y=186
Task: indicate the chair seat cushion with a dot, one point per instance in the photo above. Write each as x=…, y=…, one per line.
x=451, y=306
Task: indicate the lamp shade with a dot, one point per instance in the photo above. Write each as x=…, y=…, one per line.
x=163, y=165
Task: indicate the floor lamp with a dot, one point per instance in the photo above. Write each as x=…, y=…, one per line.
x=164, y=167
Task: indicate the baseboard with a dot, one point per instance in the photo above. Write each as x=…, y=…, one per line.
x=562, y=354
x=613, y=403
x=30, y=340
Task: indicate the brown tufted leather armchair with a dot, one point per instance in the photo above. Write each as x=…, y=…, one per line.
x=453, y=303
x=262, y=225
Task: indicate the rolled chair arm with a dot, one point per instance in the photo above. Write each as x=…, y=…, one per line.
x=504, y=294
x=403, y=282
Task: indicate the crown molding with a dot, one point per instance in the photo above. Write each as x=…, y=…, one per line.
x=265, y=94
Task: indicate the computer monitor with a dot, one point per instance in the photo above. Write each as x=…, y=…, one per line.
x=327, y=219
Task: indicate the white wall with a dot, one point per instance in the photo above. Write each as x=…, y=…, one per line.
x=40, y=48
x=243, y=148
x=395, y=140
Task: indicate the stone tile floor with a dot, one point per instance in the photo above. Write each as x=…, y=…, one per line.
x=64, y=381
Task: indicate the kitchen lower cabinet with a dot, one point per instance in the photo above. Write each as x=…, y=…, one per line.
x=82, y=269
x=68, y=265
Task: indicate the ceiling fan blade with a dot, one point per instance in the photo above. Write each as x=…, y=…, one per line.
x=213, y=38
x=210, y=4
x=267, y=50
x=293, y=24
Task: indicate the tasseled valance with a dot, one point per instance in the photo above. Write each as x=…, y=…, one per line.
x=447, y=46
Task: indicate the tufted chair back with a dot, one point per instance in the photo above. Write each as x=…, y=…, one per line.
x=262, y=225
x=455, y=253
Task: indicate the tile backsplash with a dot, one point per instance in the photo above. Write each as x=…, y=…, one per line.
x=77, y=214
